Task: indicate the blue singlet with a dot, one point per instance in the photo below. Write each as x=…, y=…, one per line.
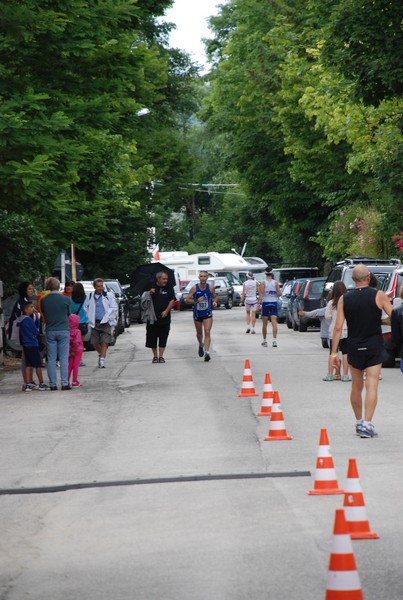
x=202, y=309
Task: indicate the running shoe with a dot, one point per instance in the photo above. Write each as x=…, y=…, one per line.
x=336, y=377
x=247, y=331
x=358, y=429
x=368, y=431
x=42, y=387
x=274, y=344
x=206, y=357
x=201, y=350
x=27, y=387
x=327, y=378
x=264, y=343
x=101, y=363
x=252, y=331
x=346, y=378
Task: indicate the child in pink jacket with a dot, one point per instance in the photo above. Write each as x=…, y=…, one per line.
x=76, y=349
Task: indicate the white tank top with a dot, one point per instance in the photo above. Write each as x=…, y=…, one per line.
x=250, y=291
x=270, y=291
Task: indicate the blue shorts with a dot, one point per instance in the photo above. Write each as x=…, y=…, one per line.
x=269, y=309
x=32, y=357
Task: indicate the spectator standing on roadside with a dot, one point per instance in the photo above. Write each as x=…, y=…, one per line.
x=269, y=291
x=102, y=310
x=77, y=307
x=29, y=334
x=76, y=349
x=68, y=288
x=26, y=293
x=163, y=300
x=336, y=292
x=397, y=327
x=362, y=308
x=203, y=297
x=249, y=294
x=56, y=310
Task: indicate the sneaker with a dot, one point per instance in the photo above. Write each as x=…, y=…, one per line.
x=346, y=378
x=53, y=388
x=274, y=344
x=206, y=357
x=368, y=431
x=201, y=350
x=248, y=330
x=101, y=363
x=65, y=388
x=42, y=387
x=252, y=331
x=327, y=378
x=27, y=387
x=358, y=429
x=336, y=377
x=82, y=364
x=76, y=384
x=264, y=343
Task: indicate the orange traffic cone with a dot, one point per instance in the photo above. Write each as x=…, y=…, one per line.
x=343, y=582
x=267, y=398
x=277, y=429
x=248, y=388
x=354, y=506
x=325, y=474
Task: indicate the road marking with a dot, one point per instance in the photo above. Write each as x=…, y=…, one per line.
x=51, y=489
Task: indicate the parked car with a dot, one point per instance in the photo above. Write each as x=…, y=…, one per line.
x=296, y=284
x=307, y=298
x=343, y=271
x=123, y=301
x=282, y=303
x=284, y=274
x=223, y=290
x=391, y=286
x=134, y=304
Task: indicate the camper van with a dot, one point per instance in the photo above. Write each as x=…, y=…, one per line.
x=188, y=266
x=227, y=264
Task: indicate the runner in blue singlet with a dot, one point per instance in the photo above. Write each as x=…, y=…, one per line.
x=203, y=297
x=269, y=291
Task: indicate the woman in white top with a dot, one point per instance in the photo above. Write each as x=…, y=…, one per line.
x=249, y=299
x=330, y=314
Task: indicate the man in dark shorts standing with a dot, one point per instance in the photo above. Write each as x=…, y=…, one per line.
x=163, y=299
x=204, y=299
x=362, y=308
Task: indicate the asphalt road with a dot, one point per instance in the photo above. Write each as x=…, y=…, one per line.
x=153, y=481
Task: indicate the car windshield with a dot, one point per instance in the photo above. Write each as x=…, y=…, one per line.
x=114, y=286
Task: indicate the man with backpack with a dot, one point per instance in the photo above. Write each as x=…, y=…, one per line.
x=102, y=310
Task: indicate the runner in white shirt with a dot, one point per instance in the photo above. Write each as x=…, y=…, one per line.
x=249, y=299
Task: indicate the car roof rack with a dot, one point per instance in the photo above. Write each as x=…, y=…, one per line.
x=369, y=261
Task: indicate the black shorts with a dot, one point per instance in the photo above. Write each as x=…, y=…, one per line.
x=202, y=318
x=157, y=335
x=342, y=346
x=32, y=357
x=367, y=353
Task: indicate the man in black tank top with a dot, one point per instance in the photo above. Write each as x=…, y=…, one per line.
x=362, y=308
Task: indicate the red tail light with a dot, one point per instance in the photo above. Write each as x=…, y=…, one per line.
x=306, y=291
x=392, y=293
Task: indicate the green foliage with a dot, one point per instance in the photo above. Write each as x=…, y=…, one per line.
x=308, y=97
x=26, y=255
